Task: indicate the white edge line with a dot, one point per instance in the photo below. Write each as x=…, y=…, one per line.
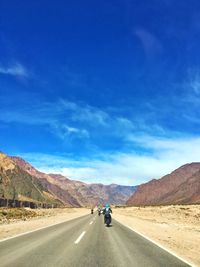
x=159, y=245
x=80, y=237
x=32, y=231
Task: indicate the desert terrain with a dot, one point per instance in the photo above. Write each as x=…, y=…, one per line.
x=175, y=227
x=18, y=221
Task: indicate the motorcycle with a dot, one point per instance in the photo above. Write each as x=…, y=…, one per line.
x=92, y=211
x=99, y=212
x=108, y=219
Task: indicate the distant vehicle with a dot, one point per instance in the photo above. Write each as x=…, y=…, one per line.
x=92, y=211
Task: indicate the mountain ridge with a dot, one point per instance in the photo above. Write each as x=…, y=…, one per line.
x=17, y=184
x=182, y=186
x=76, y=193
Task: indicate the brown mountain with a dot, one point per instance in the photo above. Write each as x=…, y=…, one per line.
x=182, y=186
x=15, y=183
x=95, y=193
x=56, y=184
x=77, y=193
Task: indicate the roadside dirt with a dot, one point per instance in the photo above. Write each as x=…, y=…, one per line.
x=174, y=227
x=18, y=221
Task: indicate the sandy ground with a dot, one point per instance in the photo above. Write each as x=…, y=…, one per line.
x=44, y=218
x=174, y=227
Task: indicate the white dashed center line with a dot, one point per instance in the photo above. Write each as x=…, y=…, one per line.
x=91, y=222
x=80, y=237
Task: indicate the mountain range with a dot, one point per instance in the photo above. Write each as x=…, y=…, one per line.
x=20, y=180
x=17, y=184
x=182, y=186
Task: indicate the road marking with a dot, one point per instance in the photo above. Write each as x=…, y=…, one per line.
x=91, y=222
x=80, y=237
x=38, y=229
x=159, y=245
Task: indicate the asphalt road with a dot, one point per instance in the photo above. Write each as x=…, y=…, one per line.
x=84, y=242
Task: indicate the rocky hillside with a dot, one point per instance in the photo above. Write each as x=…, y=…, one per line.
x=182, y=186
x=77, y=193
x=56, y=184
x=15, y=183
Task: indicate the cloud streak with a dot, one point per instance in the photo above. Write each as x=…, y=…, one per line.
x=16, y=69
x=130, y=168
x=67, y=118
x=152, y=46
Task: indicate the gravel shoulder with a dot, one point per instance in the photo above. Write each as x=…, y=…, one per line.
x=174, y=227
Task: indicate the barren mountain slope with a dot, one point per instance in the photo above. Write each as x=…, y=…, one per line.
x=77, y=193
x=181, y=186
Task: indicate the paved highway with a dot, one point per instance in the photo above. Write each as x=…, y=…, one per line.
x=84, y=242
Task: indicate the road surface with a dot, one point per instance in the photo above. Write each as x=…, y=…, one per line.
x=84, y=242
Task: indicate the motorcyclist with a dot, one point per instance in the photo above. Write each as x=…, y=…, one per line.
x=99, y=211
x=107, y=211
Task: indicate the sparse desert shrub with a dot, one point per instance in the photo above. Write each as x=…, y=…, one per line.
x=11, y=214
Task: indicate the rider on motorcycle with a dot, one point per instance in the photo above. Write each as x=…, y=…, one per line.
x=99, y=211
x=107, y=211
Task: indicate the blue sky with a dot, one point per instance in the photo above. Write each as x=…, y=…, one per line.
x=104, y=91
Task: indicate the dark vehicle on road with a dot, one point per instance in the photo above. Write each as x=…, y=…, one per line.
x=99, y=211
x=108, y=219
x=107, y=215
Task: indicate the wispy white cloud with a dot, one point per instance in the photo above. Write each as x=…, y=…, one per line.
x=68, y=118
x=85, y=113
x=72, y=131
x=152, y=46
x=16, y=69
x=190, y=101
x=74, y=120
x=191, y=89
x=129, y=168
x=193, y=83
